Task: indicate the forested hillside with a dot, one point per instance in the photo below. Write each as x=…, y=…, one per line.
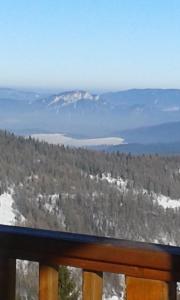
x=119, y=195
x=88, y=191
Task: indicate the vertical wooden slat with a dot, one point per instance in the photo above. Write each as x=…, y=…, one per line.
x=145, y=289
x=7, y=279
x=48, y=282
x=92, y=285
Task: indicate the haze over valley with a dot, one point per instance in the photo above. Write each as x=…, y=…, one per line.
x=137, y=116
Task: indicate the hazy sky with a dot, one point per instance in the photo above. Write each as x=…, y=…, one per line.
x=92, y=44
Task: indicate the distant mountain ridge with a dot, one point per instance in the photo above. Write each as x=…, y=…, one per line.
x=71, y=97
x=80, y=112
x=161, y=133
x=141, y=149
x=19, y=95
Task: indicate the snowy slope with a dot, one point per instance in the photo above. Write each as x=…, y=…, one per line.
x=8, y=214
x=121, y=185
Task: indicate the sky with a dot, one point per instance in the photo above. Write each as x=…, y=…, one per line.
x=90, y=44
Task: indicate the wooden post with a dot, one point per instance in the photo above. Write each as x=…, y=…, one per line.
x=48, y=282
x=92, y=285
x=146, y=289
x=7, y=278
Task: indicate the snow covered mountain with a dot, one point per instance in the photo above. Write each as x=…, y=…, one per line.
x=82, y=113
x=67, y=98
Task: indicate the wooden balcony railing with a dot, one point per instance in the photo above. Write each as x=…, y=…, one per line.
x=151, y=270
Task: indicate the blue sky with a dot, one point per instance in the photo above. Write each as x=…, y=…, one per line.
x=90, y=44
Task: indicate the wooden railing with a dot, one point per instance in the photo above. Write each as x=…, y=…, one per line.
x=151, y=270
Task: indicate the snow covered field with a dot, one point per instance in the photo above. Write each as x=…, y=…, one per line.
x=62, y=139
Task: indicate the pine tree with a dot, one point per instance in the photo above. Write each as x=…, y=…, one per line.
x=67, y=286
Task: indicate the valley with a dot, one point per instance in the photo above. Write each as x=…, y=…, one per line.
x=61, y=139
x=138, y=116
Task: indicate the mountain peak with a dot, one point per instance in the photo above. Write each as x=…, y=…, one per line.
x=74, y=96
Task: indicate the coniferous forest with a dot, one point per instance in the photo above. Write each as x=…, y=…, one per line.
x=78, y=190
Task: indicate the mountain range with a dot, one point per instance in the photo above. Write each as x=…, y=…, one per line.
x=137, y=115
